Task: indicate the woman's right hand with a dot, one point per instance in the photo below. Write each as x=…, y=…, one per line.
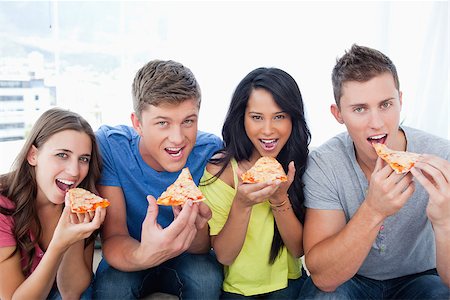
x=249, y=194
x=73, y=227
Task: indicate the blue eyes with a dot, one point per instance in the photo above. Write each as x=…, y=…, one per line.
x=384, y=105
x=83, y=159
x=187, y=122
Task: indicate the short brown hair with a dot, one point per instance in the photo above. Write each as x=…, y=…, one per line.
x=360, y=64
x=162, y=81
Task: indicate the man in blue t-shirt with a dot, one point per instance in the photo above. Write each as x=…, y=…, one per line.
x=145, y=248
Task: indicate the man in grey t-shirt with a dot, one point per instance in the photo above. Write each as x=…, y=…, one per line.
x=369, y=232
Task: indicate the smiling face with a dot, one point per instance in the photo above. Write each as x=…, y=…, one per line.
x=168, y=133
x=267, y=126
x=60, y=163
x=371, y=112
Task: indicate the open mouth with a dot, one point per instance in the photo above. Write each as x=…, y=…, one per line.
x=173, y=151
x=381, y=139
x=64, y=185
x=268, y=144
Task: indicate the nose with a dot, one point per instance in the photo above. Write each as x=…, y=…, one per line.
x=176, y=135
x=267, y=127
x=376, y=119
x=73, y=168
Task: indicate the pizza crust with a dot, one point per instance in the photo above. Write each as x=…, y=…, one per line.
x=265, y=169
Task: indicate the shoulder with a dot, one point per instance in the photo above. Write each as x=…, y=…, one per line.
x=5, y=202
x=115, y=132
x=205, y=139
x=6, y=221
x=420, y=141
x=335, y=148
x=227, y=176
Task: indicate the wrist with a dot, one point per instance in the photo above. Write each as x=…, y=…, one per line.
x=277, y=202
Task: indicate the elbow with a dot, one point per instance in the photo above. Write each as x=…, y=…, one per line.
x=226, y=261
x=323, y=285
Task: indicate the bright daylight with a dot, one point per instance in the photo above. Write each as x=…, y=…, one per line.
x=83, y=55
x=224, y=149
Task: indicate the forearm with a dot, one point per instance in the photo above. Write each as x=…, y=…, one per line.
x=201, y=243
x=228, y=243
x=290, y=228
x=40, y=282
x=442, y=236
x=339, y=257
x=75, y=273
x=122, y=252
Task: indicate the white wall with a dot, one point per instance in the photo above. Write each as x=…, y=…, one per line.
x=221, y=41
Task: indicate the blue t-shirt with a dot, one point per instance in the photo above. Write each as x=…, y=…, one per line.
x=124, y=167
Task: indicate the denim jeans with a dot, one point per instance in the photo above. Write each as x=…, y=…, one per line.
x=289, y=292
x=425, y=285
x=188, y=276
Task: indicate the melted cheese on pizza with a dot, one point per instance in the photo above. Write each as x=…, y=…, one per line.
x=265, y=169
x=82, y=201
x=181, y=190
x=399, y=161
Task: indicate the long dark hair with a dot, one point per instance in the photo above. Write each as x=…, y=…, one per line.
x=20, y=184
x=286, y=94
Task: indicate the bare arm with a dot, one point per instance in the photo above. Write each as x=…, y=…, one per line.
x=75, y=272
x=228, y=243
x=40, y=282
x=434, y=175
x=335, y=250
x=157, y=244
x=290, y=228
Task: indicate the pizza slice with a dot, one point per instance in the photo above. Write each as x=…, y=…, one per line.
x=82, y=201
x=181, y=190
x=265, y=169
x=399, y=161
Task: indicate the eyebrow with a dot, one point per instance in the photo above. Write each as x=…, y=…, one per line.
x=275, y=113
x=168, y=118
x=365, y=104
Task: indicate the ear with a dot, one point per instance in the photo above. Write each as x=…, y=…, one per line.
x=136, y=123
x=32, y=156
x=336, y=113
x=400, y=95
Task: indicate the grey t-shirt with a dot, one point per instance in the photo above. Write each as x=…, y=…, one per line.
x=405, y=243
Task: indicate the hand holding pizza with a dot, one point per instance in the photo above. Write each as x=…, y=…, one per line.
x=433, y=173
x=388, y=191
x=259, y=183
x=282, y=191
x=160, y=244
x=204, y=214
x=73, y=227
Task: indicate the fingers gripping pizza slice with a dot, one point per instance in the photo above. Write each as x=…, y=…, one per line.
x=399, y=161
x=82, y=201
x=265, y=169
x=181, y=190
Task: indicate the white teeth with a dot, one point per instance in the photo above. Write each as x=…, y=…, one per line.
x=68, y=182
x=176, y=154
x=268, y=141
x=377, y=137
x=173, y=149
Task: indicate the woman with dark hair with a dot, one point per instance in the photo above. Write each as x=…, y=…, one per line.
x=256, y=229
x=45, y=250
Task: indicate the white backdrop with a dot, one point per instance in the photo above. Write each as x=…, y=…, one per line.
x=221, y=41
